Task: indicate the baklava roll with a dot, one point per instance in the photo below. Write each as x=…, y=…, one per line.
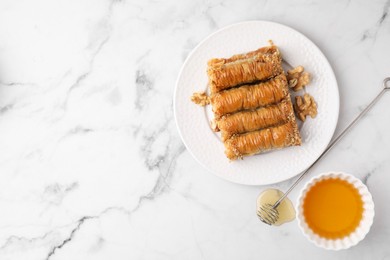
x=249, y=96
x=262, y=140
x=242, y=56
x=252, y=120
x=258, y=65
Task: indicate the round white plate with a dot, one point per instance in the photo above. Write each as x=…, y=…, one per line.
x=193, y=121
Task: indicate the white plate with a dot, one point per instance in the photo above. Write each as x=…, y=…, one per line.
x=193, y=121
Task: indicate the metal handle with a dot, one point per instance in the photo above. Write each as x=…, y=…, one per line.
x=386, y=86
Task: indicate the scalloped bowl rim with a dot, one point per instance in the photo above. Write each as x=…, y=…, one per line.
x=360, y=232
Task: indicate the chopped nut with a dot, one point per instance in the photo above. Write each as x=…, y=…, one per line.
x=305, y=106
x=297, y=78
x=214, y=125
x=200, y=98
x=296, y=70
x=292, y=83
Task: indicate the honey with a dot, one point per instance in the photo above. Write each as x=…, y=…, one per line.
x=286, y=211
x=333, y=208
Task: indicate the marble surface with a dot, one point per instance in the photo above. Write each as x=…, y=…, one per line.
x=91, y=163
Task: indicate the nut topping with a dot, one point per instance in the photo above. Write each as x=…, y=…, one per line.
x=297, y=78
x=305, y=106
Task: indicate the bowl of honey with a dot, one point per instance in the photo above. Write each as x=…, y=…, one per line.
x=335, y=210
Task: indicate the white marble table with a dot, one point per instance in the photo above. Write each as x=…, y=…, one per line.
x=91, y=164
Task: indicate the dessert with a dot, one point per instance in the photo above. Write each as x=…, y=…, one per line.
x=249, y=96
x=262, y=140
x=250, y=99
x=252, y=120
x=261, y=64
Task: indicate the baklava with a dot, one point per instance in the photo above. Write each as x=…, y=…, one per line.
x=251, y=103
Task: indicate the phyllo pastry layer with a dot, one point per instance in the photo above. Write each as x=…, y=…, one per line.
x=261, y=64
x=252, y=120
x=250, y=96
x=263, y=140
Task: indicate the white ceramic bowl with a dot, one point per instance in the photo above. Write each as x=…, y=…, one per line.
x=360, y=232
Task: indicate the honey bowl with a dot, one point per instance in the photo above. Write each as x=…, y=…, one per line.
x=335, y=210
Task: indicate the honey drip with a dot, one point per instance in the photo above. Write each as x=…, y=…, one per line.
x=285, y=209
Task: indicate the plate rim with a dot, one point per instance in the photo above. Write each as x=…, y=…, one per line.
x=190, y=54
